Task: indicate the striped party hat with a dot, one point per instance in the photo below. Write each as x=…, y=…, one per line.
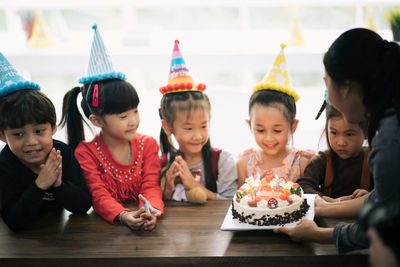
x=10, y=80
x=100, y=67
x=179, y=79
x=278, y=77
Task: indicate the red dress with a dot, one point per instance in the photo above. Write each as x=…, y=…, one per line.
x=112, y=183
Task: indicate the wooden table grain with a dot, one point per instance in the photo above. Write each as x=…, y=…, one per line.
x=186, y=235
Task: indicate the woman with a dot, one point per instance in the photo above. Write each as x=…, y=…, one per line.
x=363, y=81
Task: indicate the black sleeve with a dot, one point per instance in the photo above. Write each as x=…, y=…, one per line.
x=73, y=194
x=19, y=206
x=314, y=175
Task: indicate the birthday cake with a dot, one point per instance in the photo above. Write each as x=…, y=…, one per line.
x=269, y=201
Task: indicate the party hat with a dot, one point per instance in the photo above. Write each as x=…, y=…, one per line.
x=370, y=20
x=40, y=37
x=100, y=67
x=179, y=77
x=10, y=80
x=278, y=77
x=295, y=33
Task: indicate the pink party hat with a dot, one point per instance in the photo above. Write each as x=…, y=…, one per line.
x=179, y=77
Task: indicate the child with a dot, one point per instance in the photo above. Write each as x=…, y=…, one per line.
x=196, y=172
x=37, y=173
x=119, y=164
x=272, y=111
x=343, y=169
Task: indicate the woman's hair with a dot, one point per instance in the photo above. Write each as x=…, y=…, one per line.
x=114, y=96
x=361, y=55
x=185, y=102
x=26, y=107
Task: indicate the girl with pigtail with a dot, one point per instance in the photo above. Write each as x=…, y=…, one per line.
x=119, y=164
x=195, y=171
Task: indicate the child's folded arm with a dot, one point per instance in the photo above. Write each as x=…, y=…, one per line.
x=73, y=194
x=19, y=209
x=103, y=202
x=150, y=188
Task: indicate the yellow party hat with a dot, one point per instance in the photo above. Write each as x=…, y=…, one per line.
x=277, y=78
x=40, y=37
x=295, y=33
x=370, y=20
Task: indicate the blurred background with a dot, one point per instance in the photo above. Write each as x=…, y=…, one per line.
x=228, y=44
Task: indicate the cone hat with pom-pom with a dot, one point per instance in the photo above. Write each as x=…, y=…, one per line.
x=277, y=78
x=10, y=80
x=100, y=66
x=179, y=79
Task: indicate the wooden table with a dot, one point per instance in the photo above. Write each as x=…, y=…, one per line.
x=187, y=235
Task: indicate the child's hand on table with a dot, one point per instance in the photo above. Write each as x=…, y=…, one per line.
x=150, y=215
x=359, y=193
x=132, y=219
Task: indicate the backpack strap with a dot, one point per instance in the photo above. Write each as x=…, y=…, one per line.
x=215, y=152
x=365, y=182
x=328, y=174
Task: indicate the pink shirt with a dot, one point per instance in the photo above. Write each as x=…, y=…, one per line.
x=290, y=168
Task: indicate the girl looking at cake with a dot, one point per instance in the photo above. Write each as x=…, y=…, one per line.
x=120, y=165
x=361, y=74
x=195, y=171
x=341, y=172
x=272, y=111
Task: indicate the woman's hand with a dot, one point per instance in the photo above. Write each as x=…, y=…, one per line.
x=305, y=230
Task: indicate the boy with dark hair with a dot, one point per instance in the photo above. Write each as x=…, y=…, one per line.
x=37, y=173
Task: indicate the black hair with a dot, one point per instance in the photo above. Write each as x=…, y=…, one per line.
x=385, y=218
x=26, y=107
x=362, y=56
x=186, y=101
x=279, y=100
x=114, y=96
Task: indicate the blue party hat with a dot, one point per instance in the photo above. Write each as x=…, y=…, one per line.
x=100, y=67
x=10, y=80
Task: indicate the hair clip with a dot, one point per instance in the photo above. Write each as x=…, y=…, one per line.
x=95, y=101
x=321, y=109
